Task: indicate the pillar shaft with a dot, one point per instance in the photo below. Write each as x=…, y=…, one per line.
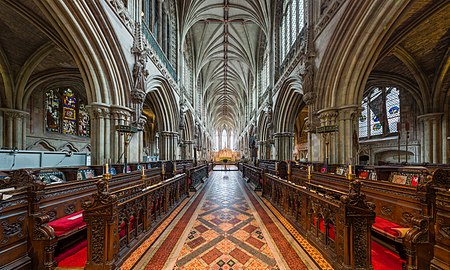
x=284, y=145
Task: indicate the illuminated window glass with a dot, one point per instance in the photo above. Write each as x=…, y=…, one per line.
x=83, y=121
x=52, y=105
x=380, y=112
x=294, y=20
x=69, y=113
x=363, y=132
x=392, y=108
x=376, y=111
x=290, y=26
x=66, y=113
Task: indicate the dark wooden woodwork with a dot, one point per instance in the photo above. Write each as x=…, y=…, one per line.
x=105, y=214
x=254, y=175
x=441, y=259
x=409, y=206
x=351, y=217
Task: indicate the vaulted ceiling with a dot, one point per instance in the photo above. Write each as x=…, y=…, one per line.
x=225, y=37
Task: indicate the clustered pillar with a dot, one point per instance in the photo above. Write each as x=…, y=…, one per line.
x=431, y=137
x=284, y=145
x=106, y=142
x=14, y=123
x=168, y=144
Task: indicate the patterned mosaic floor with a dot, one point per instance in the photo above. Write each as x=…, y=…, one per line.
x=225, y=227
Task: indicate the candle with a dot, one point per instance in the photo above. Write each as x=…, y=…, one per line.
x=309, y=170
x=106, y=167
x=143, y=171
x=349, y=169
x=162, y=168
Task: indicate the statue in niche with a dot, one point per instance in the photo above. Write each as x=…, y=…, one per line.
x=140, y=74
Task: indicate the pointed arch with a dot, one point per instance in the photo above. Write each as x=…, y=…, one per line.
x=287, y=105
x=165, y=104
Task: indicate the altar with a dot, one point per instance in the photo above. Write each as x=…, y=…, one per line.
x=225, y=154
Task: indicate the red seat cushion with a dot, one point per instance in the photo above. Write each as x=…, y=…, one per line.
x=68, y=223
x=386, y=226
x=76, y=256
x=382, y=258
x=331, y=232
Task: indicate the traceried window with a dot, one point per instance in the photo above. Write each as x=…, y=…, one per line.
x=380, y=112
x=66, y=113
x=291, y=25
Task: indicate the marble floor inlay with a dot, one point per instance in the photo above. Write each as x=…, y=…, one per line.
x=225, y=227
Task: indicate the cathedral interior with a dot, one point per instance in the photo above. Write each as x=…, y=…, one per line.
x=224, y=134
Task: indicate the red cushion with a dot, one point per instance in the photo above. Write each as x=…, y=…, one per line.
x=77, y=260
x=385, y=225
x=68, y=223
x=321, y=225
x=382, y=258
x=71, y=251
x=331, y=233
x=122, y=227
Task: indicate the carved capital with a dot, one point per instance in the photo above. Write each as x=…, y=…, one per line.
x=98, y=111
x=14, y=114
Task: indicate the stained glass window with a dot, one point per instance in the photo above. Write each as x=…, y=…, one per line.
x=66, y=113
x=52, y=103
x=69, y=113
x=392, y=108
x=376, y=110
x=380, y=112
x=83, y=121
x=291, y=24
x=363, y=119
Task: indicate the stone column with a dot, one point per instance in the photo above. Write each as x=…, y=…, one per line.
x=160, y=23
x=284, y=145
x=262, y=150
x=97, y=133
x=189, y=149
x=431, y=137
x=168, y=143
x=310, y=98
x=118, y=116
x=346, y=124
x=328, y=118
x=15, y=129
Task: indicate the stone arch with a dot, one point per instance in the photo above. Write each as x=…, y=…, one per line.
x=94, y=47
x=287, y=105
x=351, y=53
x=165, y=104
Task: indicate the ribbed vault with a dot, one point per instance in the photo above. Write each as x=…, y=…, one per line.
x=224, y=35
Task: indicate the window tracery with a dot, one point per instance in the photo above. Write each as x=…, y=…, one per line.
x=66, y=113
x=380, y=112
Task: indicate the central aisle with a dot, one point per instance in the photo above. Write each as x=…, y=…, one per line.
x=225, y=227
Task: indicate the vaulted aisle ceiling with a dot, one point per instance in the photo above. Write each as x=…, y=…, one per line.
x=225, y=35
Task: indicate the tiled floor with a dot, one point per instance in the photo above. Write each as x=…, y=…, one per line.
x=225, y=227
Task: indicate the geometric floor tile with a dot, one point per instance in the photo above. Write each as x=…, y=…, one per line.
x=225, y=227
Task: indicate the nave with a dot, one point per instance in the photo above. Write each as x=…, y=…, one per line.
x=226, y=226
